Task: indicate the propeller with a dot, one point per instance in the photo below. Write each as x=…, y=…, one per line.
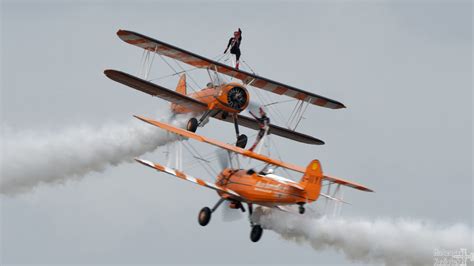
x=237, y=97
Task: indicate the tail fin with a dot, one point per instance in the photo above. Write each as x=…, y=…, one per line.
x=181, y=87
x=312, y=180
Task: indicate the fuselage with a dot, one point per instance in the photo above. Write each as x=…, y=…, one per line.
x=231, y=97
x=267, y=190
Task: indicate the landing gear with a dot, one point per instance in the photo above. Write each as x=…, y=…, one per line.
x=256, y=233
x=257, y=230
x=301, y=209
x=205, y=214
x=241, y=139
x=224, y=115
x=236, y=205
x=192, y=125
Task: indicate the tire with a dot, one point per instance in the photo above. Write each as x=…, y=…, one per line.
x=192, y=125
x=256, y=233
x=204, y=216
x=301, y=210
x=241, y=141
x=224, y=115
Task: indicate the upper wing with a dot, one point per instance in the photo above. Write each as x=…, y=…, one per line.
x=248, y=153
x=187, y=177
x=280, y=131
x=193, y=59
x=155, y=90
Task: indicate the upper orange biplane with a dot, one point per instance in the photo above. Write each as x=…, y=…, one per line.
x=220, y=100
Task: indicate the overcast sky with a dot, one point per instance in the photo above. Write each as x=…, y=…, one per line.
x=404, y=70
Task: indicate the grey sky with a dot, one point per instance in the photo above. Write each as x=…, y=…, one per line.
x=404, y=70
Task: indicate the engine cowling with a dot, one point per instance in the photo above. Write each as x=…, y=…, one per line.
x=232, y=97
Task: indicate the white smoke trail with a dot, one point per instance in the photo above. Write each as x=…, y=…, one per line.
x=392, y=242
x=29, y=159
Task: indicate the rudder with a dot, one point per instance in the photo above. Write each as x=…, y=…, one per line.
x=312, y=180
x=181, y=87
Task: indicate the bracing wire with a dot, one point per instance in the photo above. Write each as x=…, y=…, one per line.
x=205, y=166
x=176, y=72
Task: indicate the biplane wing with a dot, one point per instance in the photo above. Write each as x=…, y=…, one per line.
x=195, y=105
x=195, y=60
x=276, y=130
x=187, y=177
x=155, y=90
x=229, y=147
x=248, y=153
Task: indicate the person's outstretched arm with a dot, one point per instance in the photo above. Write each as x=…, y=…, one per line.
x=253, y=114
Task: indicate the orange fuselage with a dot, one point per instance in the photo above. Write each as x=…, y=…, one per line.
x=259, y=189
x=215, y=98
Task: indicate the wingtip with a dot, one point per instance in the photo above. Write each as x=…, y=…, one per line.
x=107, y=72
x=145, y=162
x=139, y=117
x=121, y=32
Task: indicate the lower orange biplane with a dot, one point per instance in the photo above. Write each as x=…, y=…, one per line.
x=247, y=186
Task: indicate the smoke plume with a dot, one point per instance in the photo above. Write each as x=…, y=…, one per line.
x=29, y=159
x=391, y=242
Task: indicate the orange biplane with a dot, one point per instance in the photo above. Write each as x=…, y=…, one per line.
x=219, y=100
x=240, y=186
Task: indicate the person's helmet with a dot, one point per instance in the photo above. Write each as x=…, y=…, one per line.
x=262, y=112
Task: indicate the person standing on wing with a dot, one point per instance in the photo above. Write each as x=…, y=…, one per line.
x=234, y=44
x=264, y=125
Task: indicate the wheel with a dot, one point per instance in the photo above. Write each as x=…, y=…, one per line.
x=301, y=209
x=204, y=216
x=192, y=125
x=224, y=115
x=241, y=141
x=256, y=233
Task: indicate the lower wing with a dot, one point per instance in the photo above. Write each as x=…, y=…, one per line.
x=276, y=130
x=187, y=177
x=156, y=90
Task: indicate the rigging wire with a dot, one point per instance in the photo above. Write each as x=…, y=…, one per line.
x=191, y=77
x=176, y=72
x=206, y=167
x=301, y=115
